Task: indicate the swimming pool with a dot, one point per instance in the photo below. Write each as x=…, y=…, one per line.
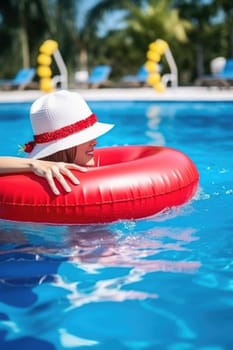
x=158, y=283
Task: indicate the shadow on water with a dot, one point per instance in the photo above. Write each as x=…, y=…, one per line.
x=61, y=270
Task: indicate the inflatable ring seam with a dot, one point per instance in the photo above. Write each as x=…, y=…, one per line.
x=145, y=181
x=132, y=199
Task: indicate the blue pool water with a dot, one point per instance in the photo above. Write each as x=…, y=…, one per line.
x=159, y=283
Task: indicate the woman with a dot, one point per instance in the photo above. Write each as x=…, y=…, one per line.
x=65, y=132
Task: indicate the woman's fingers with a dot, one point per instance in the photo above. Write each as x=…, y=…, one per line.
x=57, y=173
x=64, y=168
x=61, y=169
x=70, y=175
x=50, y=179
x=76, y=167
x=52, y=171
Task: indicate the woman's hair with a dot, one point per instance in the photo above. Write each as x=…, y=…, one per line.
x=67, y=156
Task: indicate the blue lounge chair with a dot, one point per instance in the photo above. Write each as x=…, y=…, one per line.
x=227, y=72
x=223, y=78
x=21, y=79
x=99, y=76
x=139, y=79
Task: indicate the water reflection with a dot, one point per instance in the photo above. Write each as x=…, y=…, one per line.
x=153, y=114
x=97, y=246
x=51, y=274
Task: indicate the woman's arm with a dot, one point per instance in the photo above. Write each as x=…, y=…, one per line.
x=48, y=170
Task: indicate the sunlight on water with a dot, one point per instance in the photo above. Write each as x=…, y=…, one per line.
x=163, y=282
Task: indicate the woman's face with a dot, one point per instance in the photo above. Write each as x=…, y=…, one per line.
x=85, y=153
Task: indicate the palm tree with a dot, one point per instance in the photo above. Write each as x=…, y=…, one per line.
x=25, y=24
x=89, y=44
x=20, y=20
x=226, y=7
x=212, y=28
x=144, y=24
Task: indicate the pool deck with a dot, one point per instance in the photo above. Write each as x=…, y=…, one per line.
x=132, y=94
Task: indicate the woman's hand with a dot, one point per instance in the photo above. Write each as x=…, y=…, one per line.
x=54, y=170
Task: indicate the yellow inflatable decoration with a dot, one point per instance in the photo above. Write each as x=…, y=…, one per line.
x=44, y=61
x=47, y=50
x=154, y=53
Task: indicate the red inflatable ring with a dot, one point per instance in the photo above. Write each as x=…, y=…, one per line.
x=130, y=182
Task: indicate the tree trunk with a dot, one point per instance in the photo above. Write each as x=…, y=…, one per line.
x=24, y=47
x=200, y=61
x=83, y=58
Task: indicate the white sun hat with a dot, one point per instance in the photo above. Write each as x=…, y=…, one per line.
x=61, y=120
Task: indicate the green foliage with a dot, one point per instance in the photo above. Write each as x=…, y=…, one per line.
x=196, y=32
